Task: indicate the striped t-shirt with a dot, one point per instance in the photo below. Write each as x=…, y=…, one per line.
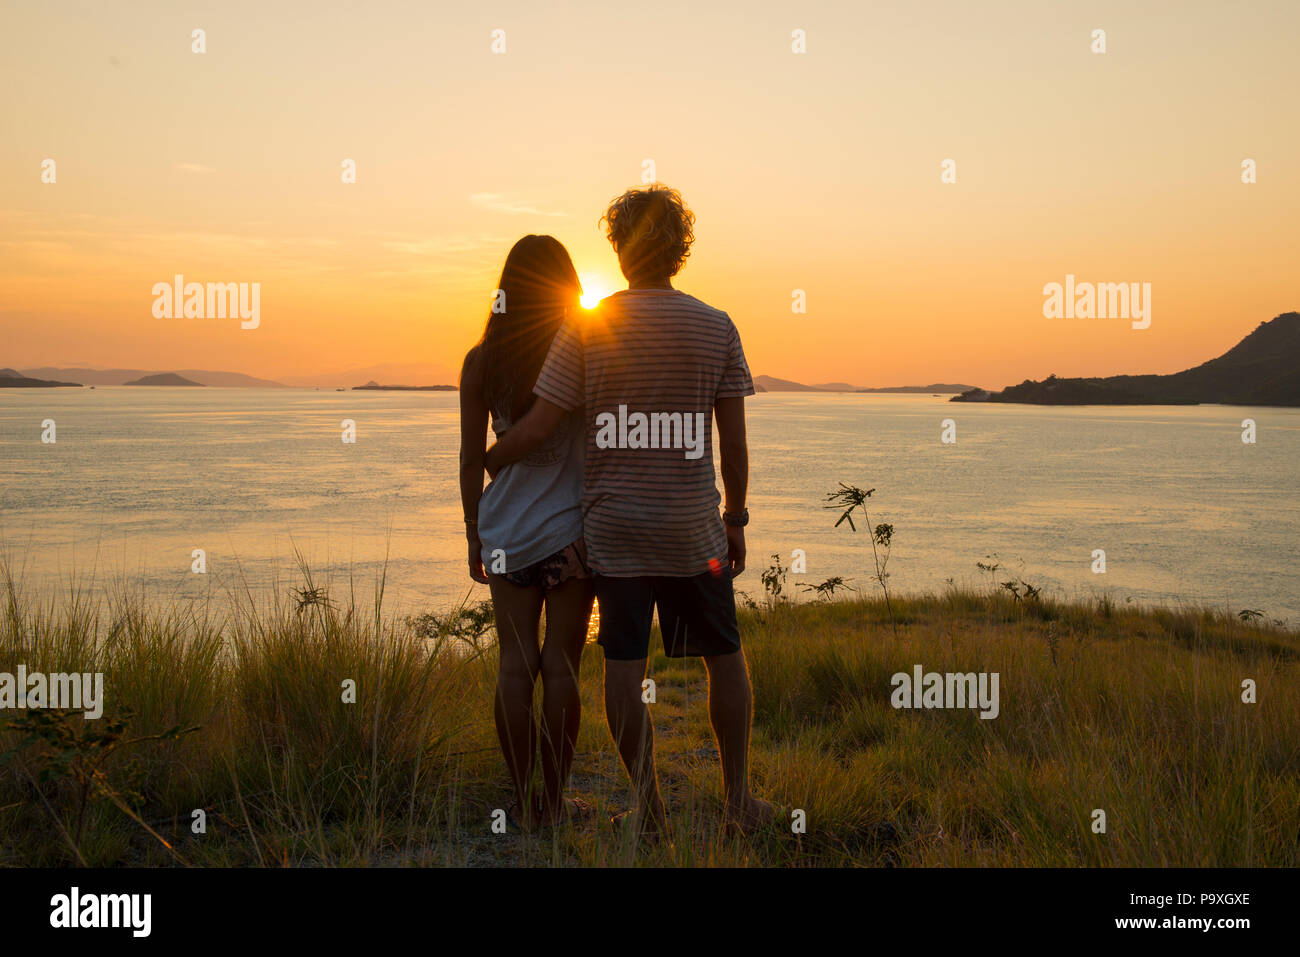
x=648, y=365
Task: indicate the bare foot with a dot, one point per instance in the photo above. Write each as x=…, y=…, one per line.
x=753, y=815
x=570, y=811
x=521, y=820
x=652, y=824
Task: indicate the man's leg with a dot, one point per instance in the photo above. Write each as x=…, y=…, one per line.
x=634, y=736
x=731, y=713
x=699, y=618
x=626, y=608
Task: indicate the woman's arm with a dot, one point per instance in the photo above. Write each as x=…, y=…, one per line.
x=473, y=441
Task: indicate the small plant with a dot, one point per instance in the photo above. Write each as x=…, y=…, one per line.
x=467, y=623
x=309, y=597
x=70, y=748
x=952, y=593
x=827, y=588
x=990, y=567
x=851, y=498
x=1021, y=590
x=774, y=578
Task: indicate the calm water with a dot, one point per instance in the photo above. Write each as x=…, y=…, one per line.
x=1185, y=511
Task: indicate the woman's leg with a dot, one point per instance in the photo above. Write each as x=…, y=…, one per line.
x=518, y=613
x=568, y=610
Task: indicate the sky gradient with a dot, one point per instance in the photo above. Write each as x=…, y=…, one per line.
x=818, y=171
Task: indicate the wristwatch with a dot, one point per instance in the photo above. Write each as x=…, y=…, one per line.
x=736, y=521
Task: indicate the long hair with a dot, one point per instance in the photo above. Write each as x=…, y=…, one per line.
x=538, y=285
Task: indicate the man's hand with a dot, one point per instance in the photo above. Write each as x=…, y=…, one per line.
x=734, y=449
x=476, y=558
x=736, y=549
x=524, y=436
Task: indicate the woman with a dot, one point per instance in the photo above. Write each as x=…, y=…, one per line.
x=525, y=529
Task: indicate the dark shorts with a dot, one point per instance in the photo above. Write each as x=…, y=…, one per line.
x=569, y=562
x=697, y=615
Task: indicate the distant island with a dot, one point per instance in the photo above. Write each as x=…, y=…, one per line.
x=234, y=380
x=401, y=372
x=10, y=379
x=375, y=386
x=767, y=383
x=941, y=388
x=165, y=378
x=1262, y=369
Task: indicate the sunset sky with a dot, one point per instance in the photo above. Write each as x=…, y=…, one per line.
x=818, y=171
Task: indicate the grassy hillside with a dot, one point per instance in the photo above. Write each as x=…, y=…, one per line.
x=1261, y=369
x=1136, y=712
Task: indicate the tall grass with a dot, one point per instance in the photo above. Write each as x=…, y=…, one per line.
x=1136, y=712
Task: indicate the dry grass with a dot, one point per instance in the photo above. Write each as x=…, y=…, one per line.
x=1134, y=711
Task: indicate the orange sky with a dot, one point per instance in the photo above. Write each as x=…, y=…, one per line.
x=817, y=171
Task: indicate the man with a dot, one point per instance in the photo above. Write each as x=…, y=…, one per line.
x=653, y=366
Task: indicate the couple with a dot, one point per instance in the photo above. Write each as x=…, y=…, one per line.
x=602, y=485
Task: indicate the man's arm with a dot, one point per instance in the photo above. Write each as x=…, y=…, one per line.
x=733, y=450
x=524, y=436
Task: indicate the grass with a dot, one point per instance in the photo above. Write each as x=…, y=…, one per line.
x=239, y=712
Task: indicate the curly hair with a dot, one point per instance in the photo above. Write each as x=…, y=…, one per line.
x=651, y=229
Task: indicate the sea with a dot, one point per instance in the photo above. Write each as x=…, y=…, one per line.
x=1150, y=504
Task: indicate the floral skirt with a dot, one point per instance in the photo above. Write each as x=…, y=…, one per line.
x=554, y=570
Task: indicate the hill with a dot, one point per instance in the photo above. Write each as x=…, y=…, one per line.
x=388, y=372
x=1262, y=369
x=229, y=380
x=940, y=387
x=376, y=387
x=165, y=378
x=12, y=379
x=772, y=384
x=767, y=383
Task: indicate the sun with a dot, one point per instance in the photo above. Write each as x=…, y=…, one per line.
x=595, y=287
